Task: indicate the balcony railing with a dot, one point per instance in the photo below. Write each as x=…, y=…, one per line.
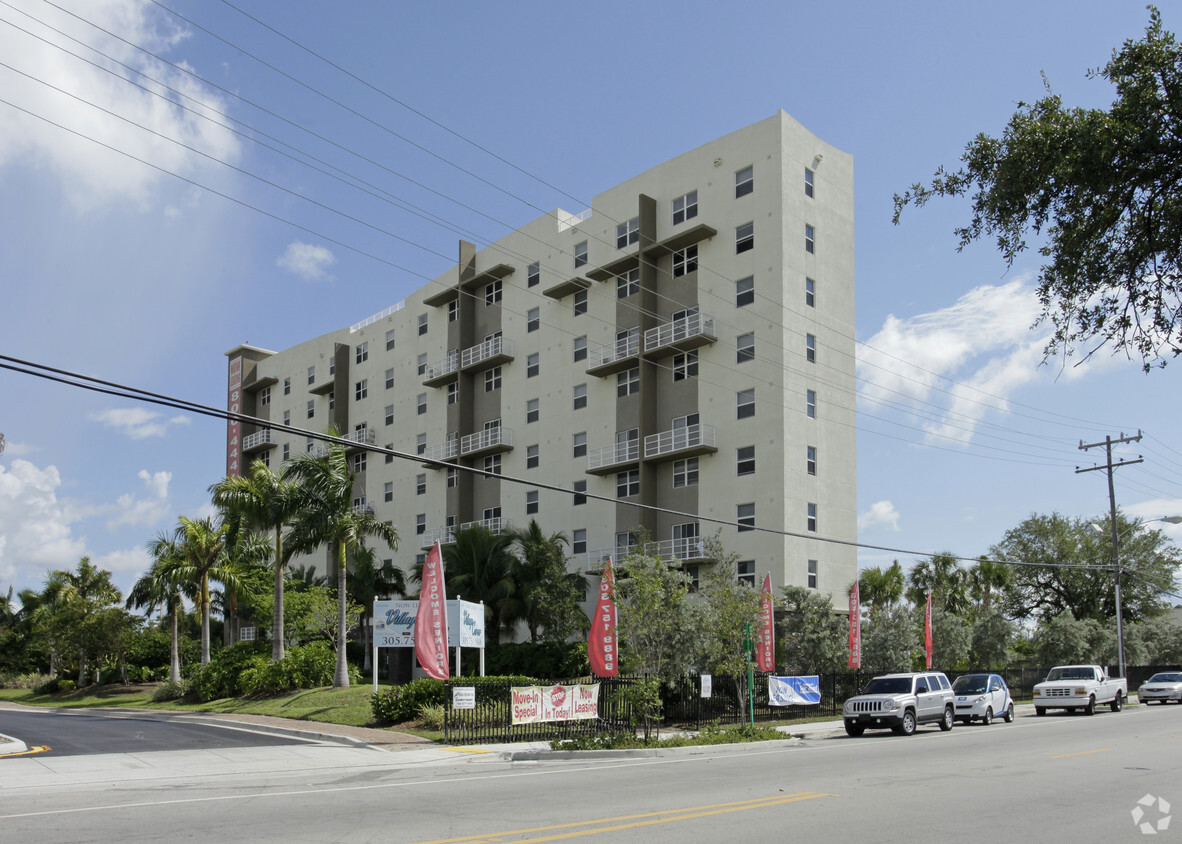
x=363, y=509
x=497, y=525
x=492, y=438
x=696, y=438
x=613, y=455
x=670, y=550
x=362, y=436
x=443, y=451
x=686, y=333
x=258, y=439
x=442, y=368
x=445, y=536
x=625, y=347
x=497, y=347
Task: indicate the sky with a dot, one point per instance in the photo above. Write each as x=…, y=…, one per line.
x=180, y=177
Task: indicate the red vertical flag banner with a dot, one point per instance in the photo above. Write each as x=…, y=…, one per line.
x=765, y=645
x=927, y=631
x=855, y=658
x=602, y=643
x=431, y=621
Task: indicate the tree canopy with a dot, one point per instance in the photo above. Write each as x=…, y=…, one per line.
x=1103, y=190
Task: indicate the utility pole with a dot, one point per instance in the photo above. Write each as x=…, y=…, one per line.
x=1109, y=466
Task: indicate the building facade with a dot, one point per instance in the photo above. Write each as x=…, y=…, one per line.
x=686, y=344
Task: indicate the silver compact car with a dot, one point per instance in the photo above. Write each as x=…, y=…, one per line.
x=982, y=697
x=1161, y=687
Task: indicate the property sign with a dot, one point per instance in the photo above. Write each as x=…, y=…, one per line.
x=707, y=685
x=463, y=697
x=793, y=691
x=534, y=704
x=394, y=624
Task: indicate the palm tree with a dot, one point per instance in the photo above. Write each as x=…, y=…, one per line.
x=881, y=588
x=371, y=580
x=986, y=579
x=549, y=593
x=327, y=516
x=158, y=588
x=943, y=578
x=480, y=566
x=77, y=597
x=267, y=502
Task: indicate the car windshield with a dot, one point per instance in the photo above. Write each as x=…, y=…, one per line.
x=1166, y=678
x=1074, y=673
x=971, y=684
x=888, y=686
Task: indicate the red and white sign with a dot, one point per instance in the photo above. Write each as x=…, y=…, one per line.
x=535, y=704
x=603, y=643
x=765, y=644
x=855, y=658
x=431, y=620
x=233, y=426
x=927, y=631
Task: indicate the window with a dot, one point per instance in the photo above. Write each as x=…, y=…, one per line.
x=745, y=292
x=812, y=574
x=492, y=379
x=685, y=473
x=532, y=457
x=580, y=348
x=492, y=292
x=492, y=464
x=810, y=459
x=362, y=352
x=685, y=207
x=453, y=310
x=810, y=293
x=744, y=238
x=580, y=496
x=578, y=543
x=390, y=339
x=420, y=560
x=810, y=348
x=580, y=303
x=685, y=366
x=388, y=491
x=390, y=379
x=685, y=261
x=421, y=523
x=421, y=444
x=332, y=400
x=628, y=284
x=287, y=386
x=746, y=403
x=265, y=459
x=359, y=462
x=421, y=403
x=311, y=375
x=746, y=513
x=389, y=448
x=746, y=460
x=685, y=540
x=746, y=569
x=744, y=348
x=533, y=275
x=626, y=542
x=531, y=501
x=627, y=233
x=493, y=425
x=531, y=411
x=744, y=181
x=580, y=254
x=453, y=392
x=533, y=365
x=628, y=382
x=287, y=417
x=810, y=400
x=808, y=182
x=286, y=452
x=533, y=319
x=580, y=396
x=810, y=239
x=579, y=444
x=389, y=414
x=453, y=477
x=811, y=522
x=628, y=483
x=422, y=324
x=311, y=408
x=264, y=396
x=422, y=363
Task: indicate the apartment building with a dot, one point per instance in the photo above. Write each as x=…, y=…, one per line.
x=686, y=344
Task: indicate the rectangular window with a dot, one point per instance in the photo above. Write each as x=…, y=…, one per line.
x=422, y=363
x=533, y=319
x=332, y=366
x=453, y=310
x=332, y=401
x=580, y=348
x=421, y=524
x=264, y=396
x=627, y=483
x=492, y=464
x=580, y=303
x=532, y=456
x=421, y=403
x=311, y=408
x=531, y=502
x=808, y=183
x=389, y=414
x=685, y=261
x=492, y=292
x=746, y=514
x=745, y=292
x=685, y=366
x=359, y=462
x=390, y=339
x=492, y=379
x=744, y=238
x=746, y=403
x=578, y=544
x=362, y=352
x=812, y=574
x=579, y=444
x=685, y=207
x=286, y=452
x=580, y=496
x=388, y=491
x=453, y=477
x=390, y=379
x=744, y=181
x=422, y=324
x=685, y=473
x=421, y=444
x=810, y=459
x=265, y=459
x=746, y=460
x=311, y=375
x=746, y=569
x=628, y=284
x=533, y=365
x=810, y=401
x=389, y=448
x=287, y=417
x=287, y=386
x=628, y=382
x=533, y=275
x=810, y=348
x=627, y=233
x=580, y=396
x=811, y=521
x=531, y=411
x=491, y=514
x=453, y=392
x=810, y=239
x=744, y=348
x=580, y=254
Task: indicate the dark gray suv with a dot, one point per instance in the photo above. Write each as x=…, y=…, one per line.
x=901, y=702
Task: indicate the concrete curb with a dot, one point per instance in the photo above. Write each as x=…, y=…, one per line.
x=10, y=745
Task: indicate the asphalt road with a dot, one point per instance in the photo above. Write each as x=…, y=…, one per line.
x=1058, y=778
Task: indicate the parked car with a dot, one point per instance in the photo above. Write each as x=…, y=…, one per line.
x=1162, y=687
x=900, y=702
x=1081, y=687
x=982, y=696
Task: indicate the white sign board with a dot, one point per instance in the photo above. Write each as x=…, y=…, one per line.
x=463, y=697
x=394, y=624
x=707, y=685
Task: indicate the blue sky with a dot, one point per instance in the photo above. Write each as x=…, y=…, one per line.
x=130, y=258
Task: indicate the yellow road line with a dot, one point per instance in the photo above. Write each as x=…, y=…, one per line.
x=640, y=820
x=1081, y=753
x=471, y=750
x=38, y=749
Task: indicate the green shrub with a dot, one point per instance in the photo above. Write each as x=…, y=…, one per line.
x=432, y=716
x=64, y=686
x=303, y=667
x=222, y=676
x=49, y=687
x=171, y=691
x=22, y=681
x=402, y=703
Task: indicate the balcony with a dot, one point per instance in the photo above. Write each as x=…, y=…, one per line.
x=363, y=509
x=672, y=551
x=487, y=442
x=680, y=335
x=613, y=458
x=497, y=525
x=687, y=441
x=492, y=352
x=443, y=535
x=439, y=373
x=618, y=356
x=443, y=451
x=360, y=437
x=258, y=441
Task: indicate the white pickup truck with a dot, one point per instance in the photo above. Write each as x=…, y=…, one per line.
x=1079, y=687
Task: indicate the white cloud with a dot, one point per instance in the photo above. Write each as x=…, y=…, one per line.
x=136, y=422
x=135, y=512
x=15, y=449
x=880, y=513
x=308, y=261
x=35, y=527
x=134, y=560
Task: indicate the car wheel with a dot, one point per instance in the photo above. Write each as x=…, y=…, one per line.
x=948, y=720
x=1008, y=717
x=1040, y=711
x=1090, y=709
x=1118, y=703
x=907, y=727
x=987, y=718
x=854, y=730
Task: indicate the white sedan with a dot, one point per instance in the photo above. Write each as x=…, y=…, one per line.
x=1162, y=687
x=982, y=696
